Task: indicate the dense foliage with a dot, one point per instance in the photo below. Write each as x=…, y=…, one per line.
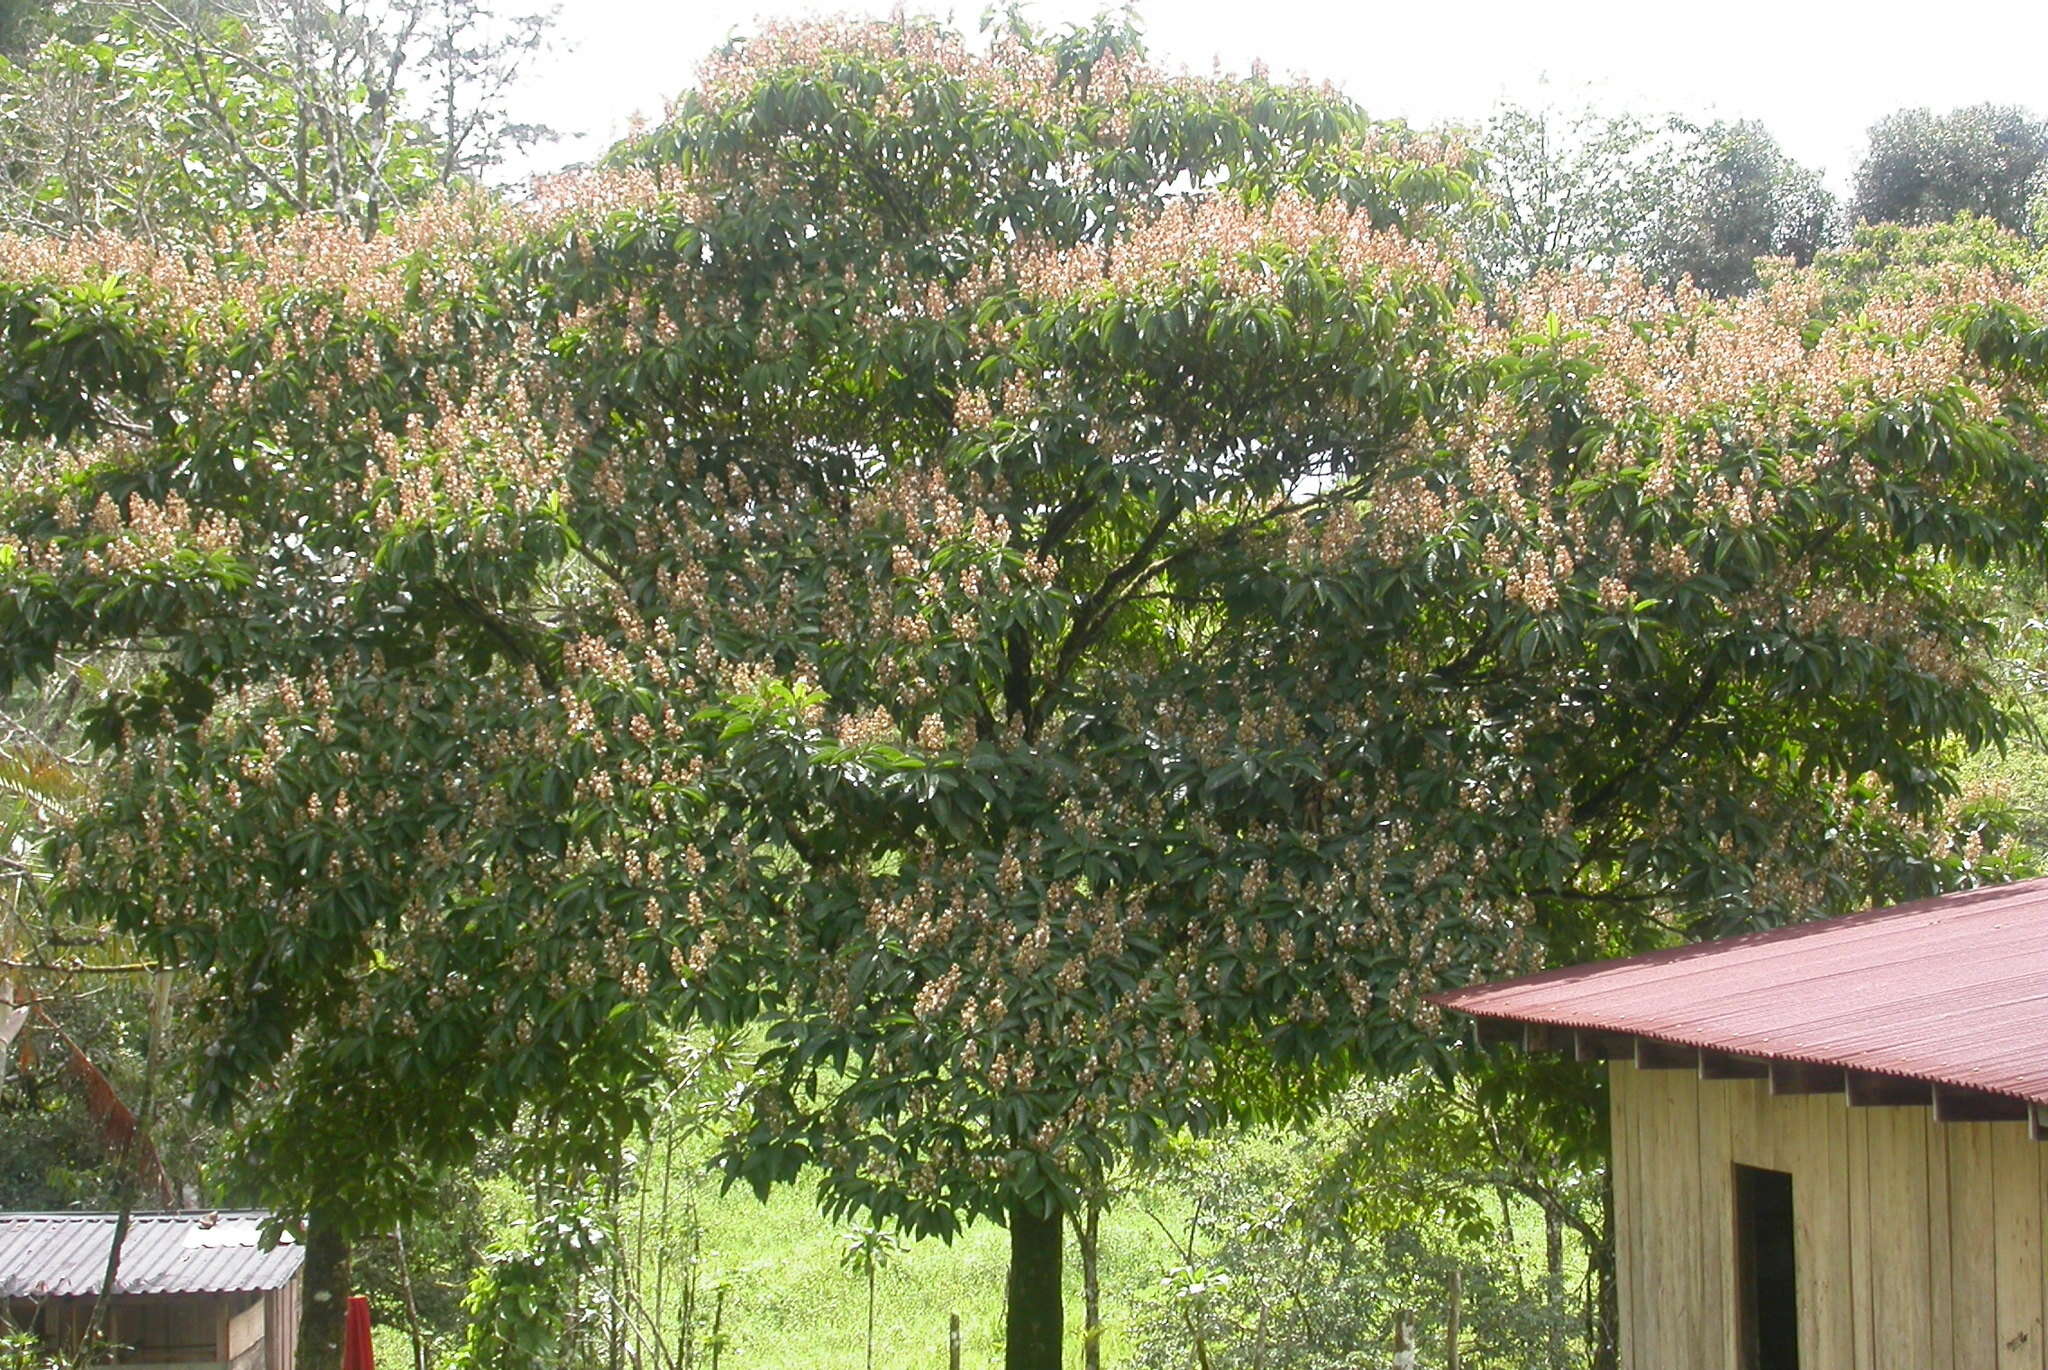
x=1035, y=578
x=1416, y=1201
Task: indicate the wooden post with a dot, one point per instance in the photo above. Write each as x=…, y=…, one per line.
x=953, y=1342
x=1453, y=1357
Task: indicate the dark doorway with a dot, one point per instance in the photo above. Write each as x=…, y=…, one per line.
x=1766, y=1271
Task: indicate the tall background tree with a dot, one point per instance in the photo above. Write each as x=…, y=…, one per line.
x=1571, y=189
x=1924, y=167
x=281, y=110
x=1588, y=190
x=1738, y=199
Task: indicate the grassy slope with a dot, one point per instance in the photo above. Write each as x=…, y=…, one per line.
x=791, y=1306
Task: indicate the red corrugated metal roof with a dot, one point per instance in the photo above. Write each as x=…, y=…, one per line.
x=1952, y=990
x=60, y=1255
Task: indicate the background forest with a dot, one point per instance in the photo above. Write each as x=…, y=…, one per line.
x=1257, y=1178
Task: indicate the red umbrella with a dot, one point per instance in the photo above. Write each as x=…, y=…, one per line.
x=355, y=1336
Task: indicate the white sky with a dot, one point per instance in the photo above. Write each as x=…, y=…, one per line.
x=1817, y=72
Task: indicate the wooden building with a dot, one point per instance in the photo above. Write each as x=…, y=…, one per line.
x=1826, y=1138
x=192, y=1290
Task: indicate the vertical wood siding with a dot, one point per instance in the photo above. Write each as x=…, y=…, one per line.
x=281, y=1326
x=1920, y=1244
x=1623, y=1113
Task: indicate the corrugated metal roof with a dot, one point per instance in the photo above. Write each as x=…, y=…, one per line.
x=57, y=1255
x=1951, y=990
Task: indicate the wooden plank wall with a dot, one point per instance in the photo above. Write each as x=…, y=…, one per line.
x=281, y=1326
x=244, y=1329
x=1920, y=1244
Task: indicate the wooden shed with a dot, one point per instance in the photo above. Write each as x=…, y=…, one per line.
x=1826, y=1137
x=192, y=1290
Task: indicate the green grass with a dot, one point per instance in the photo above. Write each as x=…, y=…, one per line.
x=790, y=1305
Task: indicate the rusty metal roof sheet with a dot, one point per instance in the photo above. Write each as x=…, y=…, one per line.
x=60, y=1255
x=1951, y=990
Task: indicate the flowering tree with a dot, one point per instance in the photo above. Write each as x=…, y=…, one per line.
x=1030, y=576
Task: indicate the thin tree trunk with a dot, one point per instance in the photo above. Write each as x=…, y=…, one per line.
x=125, y=1177
x=686, y=1297
x=1553, y=1285
x=89, y=1343
x=1454, y=1320
x=1088, y=1240
x=1092, y=1289
x=615, y=1322
x=326, y=1288
x=1035, y=1319
x=1604, y=1335
x=1511, y=1247
x=412, y=1308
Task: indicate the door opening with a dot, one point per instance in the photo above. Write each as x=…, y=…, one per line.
x=1766, y=1270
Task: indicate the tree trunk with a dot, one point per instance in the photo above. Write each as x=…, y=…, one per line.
x=326, y=1290
x=1404, y=1339
x=1511, y=1247
x=1036, y=1323
x=1553, y=1285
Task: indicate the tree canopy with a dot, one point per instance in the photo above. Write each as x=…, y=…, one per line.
x=1032, y=577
